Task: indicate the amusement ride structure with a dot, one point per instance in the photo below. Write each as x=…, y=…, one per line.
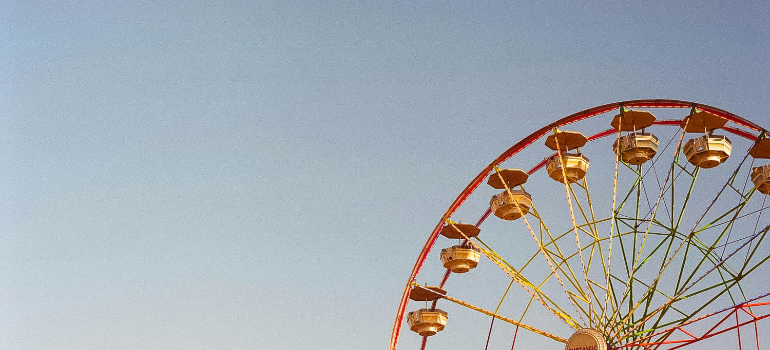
x=665, y=249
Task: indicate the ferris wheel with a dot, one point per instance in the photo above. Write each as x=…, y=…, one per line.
x=655, y=242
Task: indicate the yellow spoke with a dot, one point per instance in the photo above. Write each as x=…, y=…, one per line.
x=572, y=216
x=500, y=317
x=540, y=246
x=559, y=253
x=638, y=255
x=520, y=279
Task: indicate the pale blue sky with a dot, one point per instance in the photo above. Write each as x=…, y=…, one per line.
x=200, y=175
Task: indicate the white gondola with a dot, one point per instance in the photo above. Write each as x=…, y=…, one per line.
x=505, y=206
x=636, y=148
x=708, y=151
x=427, y=322
x=575, y=167
x=460, y=259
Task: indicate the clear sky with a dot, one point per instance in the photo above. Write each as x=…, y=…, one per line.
x=262, y=175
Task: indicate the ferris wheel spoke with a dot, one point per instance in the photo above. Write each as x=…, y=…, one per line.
x=708, y=252
x=553, y=250
x=735, y=210
x=732, y=212
x=679, y=296
x=634, y=258
x=662, y=187
x=539, y=243
x=497, y=316
x=626, y=289
x=726, y=283
x=669, y=236
x=675, y=222
x=715, y=225
x=507, y=268
x=661, y=337
x=568, y=190
x=617, y=322
x=593, y=232
x=608, y=290
x=557, y=254
x=637, y=250
x=527, y=285
x=745, y=195
x=560, y=263
x=590, y=223
x=692, y=315
x=572, y=294
x=564, y=262
x=722, y=269
x=656, y=290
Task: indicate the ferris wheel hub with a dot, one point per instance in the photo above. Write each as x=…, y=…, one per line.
x=586, y=339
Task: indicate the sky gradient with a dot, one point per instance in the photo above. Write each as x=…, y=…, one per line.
x=241, y=175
